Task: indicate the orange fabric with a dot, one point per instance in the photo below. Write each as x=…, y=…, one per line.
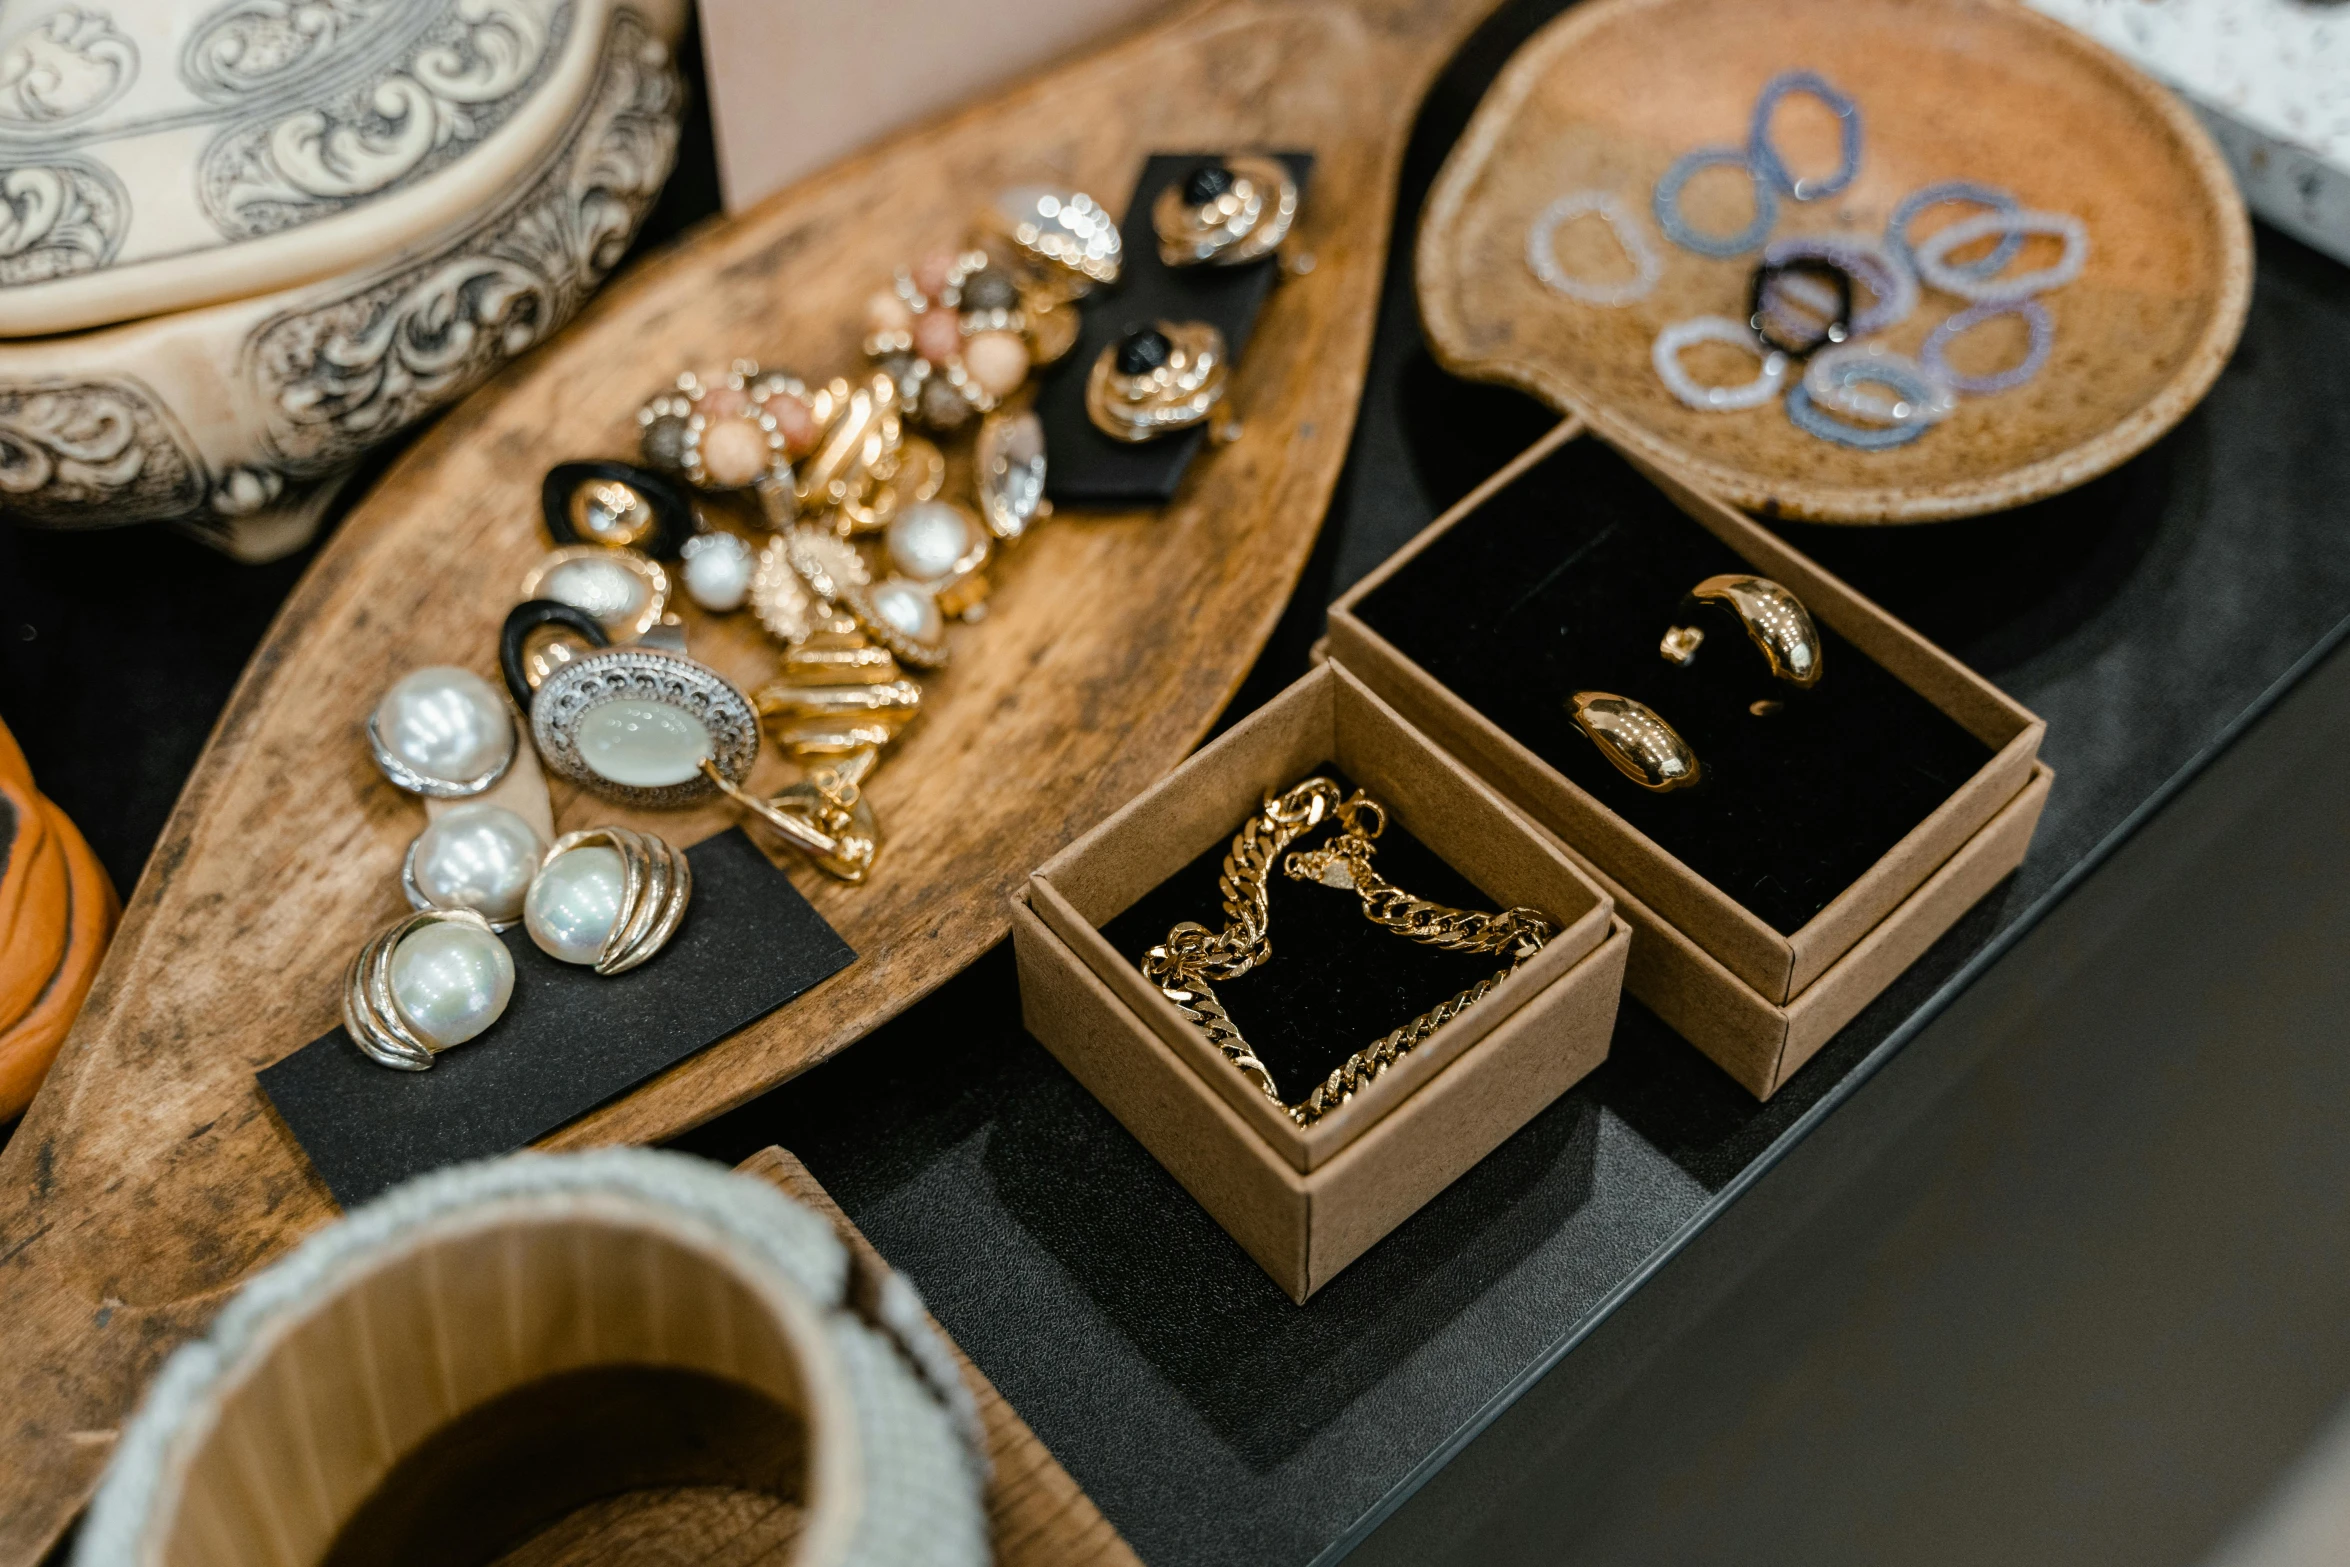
x=12, y=762
x=29, y=1045
x=57, y=913
x=32, y=903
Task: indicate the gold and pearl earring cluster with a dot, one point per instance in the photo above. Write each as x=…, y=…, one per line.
x=868, y=564
x=605, y=898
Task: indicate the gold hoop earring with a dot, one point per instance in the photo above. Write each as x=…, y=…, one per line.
x=1636, y=742
x=1775, y=621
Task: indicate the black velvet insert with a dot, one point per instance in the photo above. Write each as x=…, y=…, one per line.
x=1566, y=579
x=1088, y=468
x=1335, y=982
x=570, y=1039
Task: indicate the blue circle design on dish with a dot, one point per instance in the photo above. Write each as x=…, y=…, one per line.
x=1667, y=204
x=1770, y=168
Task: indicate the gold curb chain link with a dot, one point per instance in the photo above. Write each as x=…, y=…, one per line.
x=1193, y=958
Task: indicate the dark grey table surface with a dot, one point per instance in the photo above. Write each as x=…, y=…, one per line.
x=2043, y=1258
x=1997, y=1312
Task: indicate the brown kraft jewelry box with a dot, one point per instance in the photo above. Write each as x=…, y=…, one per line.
x=1306, y=1201
x=1759, y=1002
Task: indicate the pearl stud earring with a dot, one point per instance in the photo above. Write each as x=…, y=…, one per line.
x=474, y=856
x=717, y=571
x=442, y=731
x=607, y=898
x=427, y=983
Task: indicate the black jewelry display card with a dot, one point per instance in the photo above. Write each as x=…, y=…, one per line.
x=1087, y=467
x=1566, y=579
x=1335, y=982
x=571, y=1038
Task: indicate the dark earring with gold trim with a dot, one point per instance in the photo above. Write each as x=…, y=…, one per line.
x=1226, y=212
x=617, y=506
x=643, y=724
x=1775, y=621
x=1157, y=380
x=1636, y=742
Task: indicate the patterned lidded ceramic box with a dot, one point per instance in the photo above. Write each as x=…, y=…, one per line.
x=243, y=241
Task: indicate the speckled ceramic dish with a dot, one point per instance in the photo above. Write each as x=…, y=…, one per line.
x=1610, y=95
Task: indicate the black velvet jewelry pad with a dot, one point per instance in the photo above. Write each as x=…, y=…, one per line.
x=570, y=1039
x=1087, y=467
x=1566, y=579
x=1335, y=982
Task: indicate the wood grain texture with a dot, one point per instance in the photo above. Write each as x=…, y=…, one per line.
x=149, y=1177
x=1611, y=94
x=675, y=1526
x=1037, y=1514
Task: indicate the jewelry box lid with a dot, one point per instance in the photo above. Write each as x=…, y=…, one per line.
x=158, y=155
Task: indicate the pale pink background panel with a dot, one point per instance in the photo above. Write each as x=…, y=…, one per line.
x=798, y=84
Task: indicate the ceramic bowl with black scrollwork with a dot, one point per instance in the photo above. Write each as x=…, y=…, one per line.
x=244, y=241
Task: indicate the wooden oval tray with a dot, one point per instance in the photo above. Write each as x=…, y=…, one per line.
x=150, y=1174
x=1610, y=95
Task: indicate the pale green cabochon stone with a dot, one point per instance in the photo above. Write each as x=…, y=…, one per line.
x=645, y=745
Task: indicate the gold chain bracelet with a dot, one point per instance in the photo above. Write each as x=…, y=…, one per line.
x=1193, y=958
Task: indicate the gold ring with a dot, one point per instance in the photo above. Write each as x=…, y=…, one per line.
x=1156, y=380
x=1226, y=212
x=1775, y=621
x=1639, y=744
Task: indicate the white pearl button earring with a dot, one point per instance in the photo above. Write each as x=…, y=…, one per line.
x=474, y=856
x=607, y=897
x=426, y=983
x=442, y=731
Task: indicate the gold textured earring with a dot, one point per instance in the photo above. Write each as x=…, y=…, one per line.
x=1226, y=212
x=1156, y=380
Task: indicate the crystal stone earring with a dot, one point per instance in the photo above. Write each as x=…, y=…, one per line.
x=643, y=724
